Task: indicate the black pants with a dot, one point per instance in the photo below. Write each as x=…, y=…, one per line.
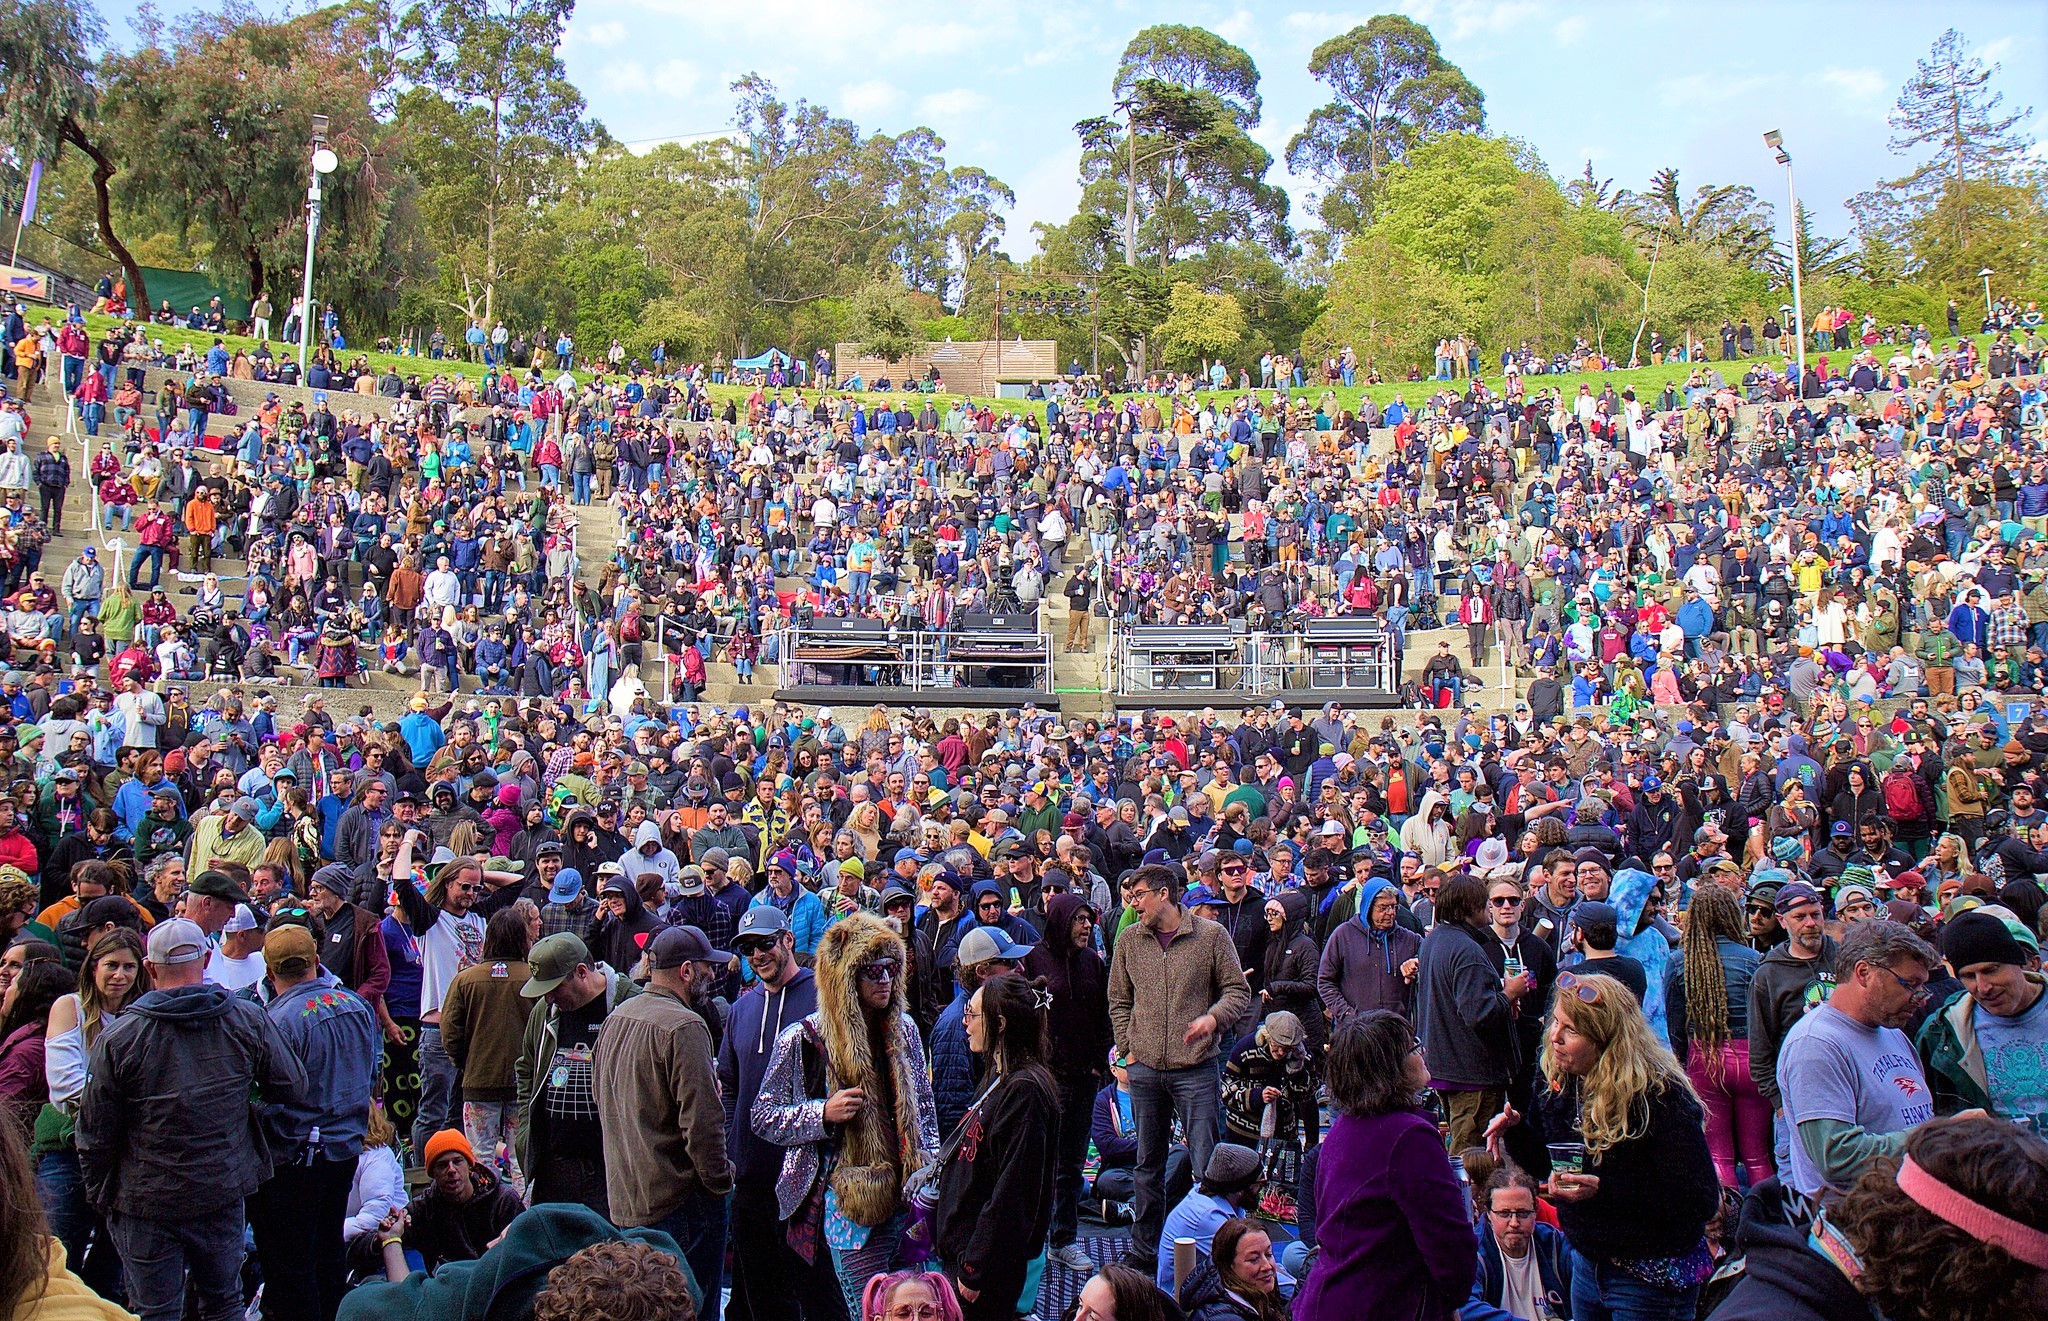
x=297, y=1216
x=51, y=501
x=770, y=1282
x=1077, y=1112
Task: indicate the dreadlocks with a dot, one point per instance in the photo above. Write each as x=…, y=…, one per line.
x=1713, y=915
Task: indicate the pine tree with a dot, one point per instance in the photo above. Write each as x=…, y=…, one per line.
x=1948, y=108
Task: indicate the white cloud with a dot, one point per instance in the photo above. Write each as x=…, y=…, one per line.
x=1470, y=18
x=953, y=103
x=1322, y=23
x=1857, y=86
x=607, y=33
x=1240, y=27
x=1995, y=49
x=867, y=99
x=1571, y=29
x=672, y=78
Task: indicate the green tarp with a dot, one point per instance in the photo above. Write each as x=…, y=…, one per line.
x=189, y=289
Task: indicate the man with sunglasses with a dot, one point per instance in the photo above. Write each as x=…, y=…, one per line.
x=769, y=1279
x=1852, y=1084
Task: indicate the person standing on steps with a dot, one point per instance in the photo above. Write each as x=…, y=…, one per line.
x=52, y=472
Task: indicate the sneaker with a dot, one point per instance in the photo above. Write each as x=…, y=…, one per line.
x=1074, y=1258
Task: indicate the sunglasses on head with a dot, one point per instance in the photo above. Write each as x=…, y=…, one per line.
x=1582, y=987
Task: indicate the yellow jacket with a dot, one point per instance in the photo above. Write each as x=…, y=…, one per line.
x=65, y=1298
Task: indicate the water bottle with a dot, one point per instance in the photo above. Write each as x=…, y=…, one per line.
x=1465, y=1189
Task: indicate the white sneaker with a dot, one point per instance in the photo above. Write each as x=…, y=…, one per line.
x=1074, y=1258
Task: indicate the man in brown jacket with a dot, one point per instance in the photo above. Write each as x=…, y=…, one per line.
x=665, y=1165
x=404, y=593
x=1175, y=988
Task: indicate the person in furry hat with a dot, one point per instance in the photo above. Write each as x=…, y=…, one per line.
x=856, y=1065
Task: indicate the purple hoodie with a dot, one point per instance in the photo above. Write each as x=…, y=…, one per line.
x=1396, y=1238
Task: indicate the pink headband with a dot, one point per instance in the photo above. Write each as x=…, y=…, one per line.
x=2022, y=1242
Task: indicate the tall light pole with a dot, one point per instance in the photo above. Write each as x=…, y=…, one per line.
x=324, y=162
x=1986, y=273
x=1776, y=142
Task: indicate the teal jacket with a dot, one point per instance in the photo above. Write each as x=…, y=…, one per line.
x=502, y=1284
x=1951, y=1058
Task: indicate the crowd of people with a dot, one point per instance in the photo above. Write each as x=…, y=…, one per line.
x=1706, y=979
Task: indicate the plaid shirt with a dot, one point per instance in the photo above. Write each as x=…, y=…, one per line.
x=2009, y=626
x=574, y=918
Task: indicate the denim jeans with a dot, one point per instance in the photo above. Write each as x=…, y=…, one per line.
x=1157, y=1096
x=582, y=485
x=60, y=1187
x=1602, y=1291
x=698, y=1227
x=437, y=1087
x=156, y=1254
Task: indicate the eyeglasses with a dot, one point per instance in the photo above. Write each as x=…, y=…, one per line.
x=747, y=949
x=1663, y=866
x=1529, y=1214
x=1912, y=989
x=878, y=972
x=914, y=1312
x=1506, y=901
x=1140, y=891
x=1580, y=986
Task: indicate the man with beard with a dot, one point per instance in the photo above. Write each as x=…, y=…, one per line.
x=657, y=1101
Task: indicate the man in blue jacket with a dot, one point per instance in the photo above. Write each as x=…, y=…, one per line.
x=1525, y=1268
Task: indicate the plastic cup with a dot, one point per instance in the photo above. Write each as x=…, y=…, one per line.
x=1567, y=1157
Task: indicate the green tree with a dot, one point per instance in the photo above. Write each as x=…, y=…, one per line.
x=50, y=101
x=884, y=321
x=1730, y=219
x=495, y=123
x=1693, y=287
x=1948, y=109
x=1181, y=167
x=1386, y=304
x=215, y=117
x=1393, y=90
x=1200, y=324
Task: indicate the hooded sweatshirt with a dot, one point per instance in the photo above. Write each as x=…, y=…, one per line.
x=1361, y=967
x=1783, y=989
x=1077, y=1025
x=637, y=862
x=757, y=1019
x=208, y=1048
x=619, y=941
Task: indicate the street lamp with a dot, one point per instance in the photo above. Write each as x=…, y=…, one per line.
x=324, y=162
x=1986, y=274
x=1776, y=142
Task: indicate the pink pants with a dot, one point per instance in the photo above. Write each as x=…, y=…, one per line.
x=1738, y=1117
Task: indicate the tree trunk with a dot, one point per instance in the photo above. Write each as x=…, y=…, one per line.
x=258, y=277
x=102, y=175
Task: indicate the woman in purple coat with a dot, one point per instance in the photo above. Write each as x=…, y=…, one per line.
x=1395, y=1235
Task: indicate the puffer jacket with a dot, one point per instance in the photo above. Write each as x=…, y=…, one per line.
x=1203, y=1297
x=207, y=1048
x=955, y=1074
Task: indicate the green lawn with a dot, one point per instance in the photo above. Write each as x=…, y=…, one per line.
x=1645, y=380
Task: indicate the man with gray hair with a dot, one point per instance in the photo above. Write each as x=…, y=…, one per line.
x=1849, y=1075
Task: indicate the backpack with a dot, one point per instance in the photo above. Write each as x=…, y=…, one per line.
x=1902, y=797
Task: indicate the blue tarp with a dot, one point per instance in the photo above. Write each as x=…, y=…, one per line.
x=763, y=362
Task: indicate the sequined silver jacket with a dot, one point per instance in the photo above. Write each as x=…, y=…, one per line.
x=785, y=1115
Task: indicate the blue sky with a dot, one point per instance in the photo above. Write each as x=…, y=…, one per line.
x=1632, y=87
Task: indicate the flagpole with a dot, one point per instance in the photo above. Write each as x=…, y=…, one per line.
x=28, y=202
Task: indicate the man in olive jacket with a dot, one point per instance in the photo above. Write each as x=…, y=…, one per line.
x=1175, y=988
x=657, y=1100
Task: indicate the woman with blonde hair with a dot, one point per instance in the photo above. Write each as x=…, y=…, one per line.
x=1622, y=1135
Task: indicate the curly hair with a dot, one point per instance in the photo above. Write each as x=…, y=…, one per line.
x=1633, y=1065
x=1919, y=1267
x=625, y=1280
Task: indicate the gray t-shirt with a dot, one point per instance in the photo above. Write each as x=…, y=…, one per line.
x=1833, y=1067
x=2016, y=1062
